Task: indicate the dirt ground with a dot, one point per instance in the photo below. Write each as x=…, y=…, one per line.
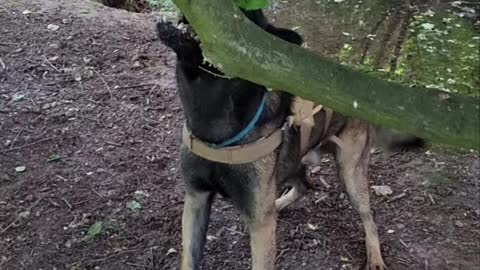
x=89, y=131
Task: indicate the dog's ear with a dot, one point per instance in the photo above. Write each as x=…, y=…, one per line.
x=181, y=42
x=257, y=17
x=285, y=34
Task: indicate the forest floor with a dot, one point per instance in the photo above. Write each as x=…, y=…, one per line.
x=89, y=131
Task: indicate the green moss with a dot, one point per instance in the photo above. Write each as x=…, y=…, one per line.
x=442, y=52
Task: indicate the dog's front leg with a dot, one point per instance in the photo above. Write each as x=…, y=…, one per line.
x=196, y=213
x=263, y=221
x=262, y=237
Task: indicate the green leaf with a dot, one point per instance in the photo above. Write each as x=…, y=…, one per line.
x=134, y=206
x=252, y=4
x=53, y=157
x=94, y=230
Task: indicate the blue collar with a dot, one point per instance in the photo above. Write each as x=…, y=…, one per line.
x=247, y=130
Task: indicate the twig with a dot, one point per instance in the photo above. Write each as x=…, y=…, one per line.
x=67, y=203
x=29, y=209
x=398, y=197
x=113, y=143
x=105, y=83
x=213, y=73
x=3, y=64
x=322, y=180
x=112, y=256
x=15, y=139
x=282, y=253
x=93, y=189
x=8, y=44
x=403, y=243
x=28, y=144
x=135, y=86
x=431, y=199
x=49, y=63
x=324, y=196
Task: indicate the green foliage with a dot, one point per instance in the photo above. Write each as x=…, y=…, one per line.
x=165, y=5
x=442, y=53
x=252, y=4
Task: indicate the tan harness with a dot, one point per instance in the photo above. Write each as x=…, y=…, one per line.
x=303, y=112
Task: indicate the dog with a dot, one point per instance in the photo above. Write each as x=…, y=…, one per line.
x=217, y=108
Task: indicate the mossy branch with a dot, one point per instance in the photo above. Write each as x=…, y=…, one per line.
x=241, y=49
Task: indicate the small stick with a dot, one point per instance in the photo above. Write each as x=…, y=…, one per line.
x=403, y=243
x=398, y=197
x=29, y=209
x=431, y=199
x=135, y=86
x=214, y=74
x=50, y=64
x=28, y=144
x=105, y=83
x=324, y=196
x=322, y=180
x=3, y=64
x=15, y=139
x=67, y=203
x=113, y=143
x=93, y=189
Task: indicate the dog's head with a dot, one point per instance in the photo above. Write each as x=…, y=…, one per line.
x=182, y=40
x=258, y=18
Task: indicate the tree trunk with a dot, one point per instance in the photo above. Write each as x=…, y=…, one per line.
x=240, y=49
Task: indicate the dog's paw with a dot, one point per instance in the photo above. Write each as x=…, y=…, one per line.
x=375, y=264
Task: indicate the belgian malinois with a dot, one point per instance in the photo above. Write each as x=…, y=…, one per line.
x=217, y=108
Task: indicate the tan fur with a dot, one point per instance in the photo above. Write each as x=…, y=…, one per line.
x=352, y=160
x=192, y=205
x=264, y=223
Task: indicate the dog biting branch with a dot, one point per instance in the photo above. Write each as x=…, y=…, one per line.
x=240, y=49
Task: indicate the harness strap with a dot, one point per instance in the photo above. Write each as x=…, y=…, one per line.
x=303, y=116
x=245, y=153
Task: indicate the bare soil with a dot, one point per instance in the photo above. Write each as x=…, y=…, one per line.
x=90, y=110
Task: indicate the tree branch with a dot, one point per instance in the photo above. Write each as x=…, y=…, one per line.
x=241, y=49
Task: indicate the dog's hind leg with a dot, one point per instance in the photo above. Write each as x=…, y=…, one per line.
x=353, y=160
x=196, y=213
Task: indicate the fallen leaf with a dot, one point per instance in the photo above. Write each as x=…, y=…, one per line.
x=53, y=157
x=17, y=97
x=171, y=251
x=140, y=193
x=94, y=230
x=53, y=27
x=312, y=227
x=24, y=214
x=20, y=169
x=382, y=190
x=134, y=205
x=26, y=12
x=427, y=26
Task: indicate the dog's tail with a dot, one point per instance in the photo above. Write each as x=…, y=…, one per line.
x=393, y=140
